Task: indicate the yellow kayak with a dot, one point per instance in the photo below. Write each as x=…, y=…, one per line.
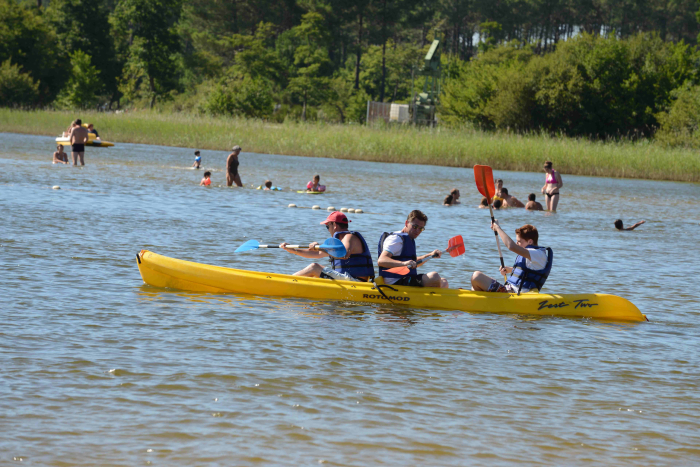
x=161, y=271
x=65, y=141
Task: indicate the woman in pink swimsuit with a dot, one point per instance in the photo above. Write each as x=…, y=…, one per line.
x=552, y=183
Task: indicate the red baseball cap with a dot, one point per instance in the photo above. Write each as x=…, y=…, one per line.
x=336, y=216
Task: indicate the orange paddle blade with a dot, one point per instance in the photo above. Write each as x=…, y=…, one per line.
x=456, y=246
x=483, y=175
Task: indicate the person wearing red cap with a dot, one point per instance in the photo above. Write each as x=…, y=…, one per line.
x=355, y=266
x=398, y=249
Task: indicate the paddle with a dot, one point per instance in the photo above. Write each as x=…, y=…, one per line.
x=455, y=247
x=332, y=246
x=483, y=175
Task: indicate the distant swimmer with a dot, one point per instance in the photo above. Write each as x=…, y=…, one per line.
x=552, y=184
x=268, y=185
x=60, y=157
x=619, y=226
x=498, y=184
x=78, y=138
x=232, y=167
x=533, y=205
x=510, y=201
x=452, y=198
x=206, y=181
x=91, y=129
x=484, y=204
x=197, y=160
x=532, y=265
x=497, y=203
x=315, y=185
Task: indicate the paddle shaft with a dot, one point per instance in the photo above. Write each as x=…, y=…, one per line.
x=493, y=219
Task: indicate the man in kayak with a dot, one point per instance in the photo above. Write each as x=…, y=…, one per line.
x=78, y=138
x=398, y=249
x=531, y=268
x=355, y=266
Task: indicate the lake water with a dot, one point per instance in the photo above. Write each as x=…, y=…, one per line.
x=99, y=369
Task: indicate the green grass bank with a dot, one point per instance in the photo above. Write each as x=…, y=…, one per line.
x=438, y=146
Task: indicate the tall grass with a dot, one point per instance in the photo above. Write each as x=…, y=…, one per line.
x=409, y=145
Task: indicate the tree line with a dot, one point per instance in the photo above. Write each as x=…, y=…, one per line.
x=586, y=67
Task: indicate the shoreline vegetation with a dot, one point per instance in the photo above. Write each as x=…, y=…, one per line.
x=452, y=147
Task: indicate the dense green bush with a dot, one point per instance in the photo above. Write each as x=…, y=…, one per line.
x=84, y=85
x=680, y=124
x=17, y=89
x=589, y=86
x=249, y=97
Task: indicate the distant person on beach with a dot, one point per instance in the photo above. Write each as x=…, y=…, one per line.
x=531, y=268
x=60, y=157
x=497, y=203
x=315, y=184
x=533, y=205
x=498, y=185
x=510, y=201
x=484, y=204
x=232, y=167
x=268, y=185
x=91, y=129
x=619, y=226
x=197, y=160
x=452, y=198
x=78, y=138
x=552, y=184
x=206, y=181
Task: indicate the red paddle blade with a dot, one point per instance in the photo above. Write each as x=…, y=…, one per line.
x=402, y=271
x=483, y=175
x=456, y=246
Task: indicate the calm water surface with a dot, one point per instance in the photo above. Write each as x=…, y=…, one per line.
x=99, y=369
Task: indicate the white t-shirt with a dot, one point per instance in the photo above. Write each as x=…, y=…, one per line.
x=393, y=244
x=537, y=262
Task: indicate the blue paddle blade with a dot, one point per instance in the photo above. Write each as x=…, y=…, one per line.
x=334, y=247
x=247, y=246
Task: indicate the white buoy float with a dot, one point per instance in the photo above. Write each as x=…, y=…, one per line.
x=315, y=206
x=351, y=210
x=292, y=205
x=56, y=187
x=358, y=211
x=343, y=209
x=330, y=208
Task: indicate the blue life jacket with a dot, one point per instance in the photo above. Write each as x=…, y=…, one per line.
x=523, y=277
x=357, y=265
x=408, y=253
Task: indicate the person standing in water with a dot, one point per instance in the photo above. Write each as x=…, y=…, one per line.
x=197, y=160
x=552, y=184
x=232, y=167
x=78, y=138
x=60, y=157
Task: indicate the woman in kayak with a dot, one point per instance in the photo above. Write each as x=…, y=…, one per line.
x=552, y=184
x=315, y=185
x=531, y=268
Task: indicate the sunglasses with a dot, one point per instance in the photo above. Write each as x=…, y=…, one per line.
x=417, y=227
x=328, y=226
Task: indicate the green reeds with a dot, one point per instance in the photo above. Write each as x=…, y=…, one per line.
x=402, y=144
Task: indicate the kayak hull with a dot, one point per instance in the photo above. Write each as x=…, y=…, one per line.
x=65, y=141
x=162, y=271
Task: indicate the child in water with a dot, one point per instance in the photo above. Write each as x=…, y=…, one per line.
x=452, y=198
x=484, y=203
x=268, y=185
x=619, y=226
x=206, y=181
x=60, y=157
x=315, y=185
x=197, y=160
